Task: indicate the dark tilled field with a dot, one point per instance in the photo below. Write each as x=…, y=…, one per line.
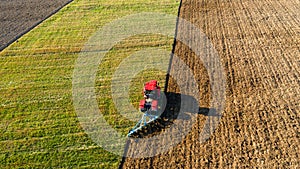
x=259, y=46
x=18, y=17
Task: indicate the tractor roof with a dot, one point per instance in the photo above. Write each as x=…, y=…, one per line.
x=151, y=85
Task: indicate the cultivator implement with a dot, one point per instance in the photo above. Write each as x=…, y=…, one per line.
x=146, y=119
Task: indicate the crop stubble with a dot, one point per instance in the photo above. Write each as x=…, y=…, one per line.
x=258, y=44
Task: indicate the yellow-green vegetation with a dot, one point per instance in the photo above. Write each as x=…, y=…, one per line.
x=38, y=124
x=109, y=66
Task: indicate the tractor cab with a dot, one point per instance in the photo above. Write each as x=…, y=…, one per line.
x=152, y=90
x=151, y=96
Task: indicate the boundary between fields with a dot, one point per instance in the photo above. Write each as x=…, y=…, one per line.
x=166, y=83
x=173, y=49
x=33, y=26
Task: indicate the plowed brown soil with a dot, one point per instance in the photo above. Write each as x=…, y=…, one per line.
x=18, y=17
x=259, y=46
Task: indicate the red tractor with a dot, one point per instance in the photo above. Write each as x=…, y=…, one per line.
x=149, y=106
x=151, y=93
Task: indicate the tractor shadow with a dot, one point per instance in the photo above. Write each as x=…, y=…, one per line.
x=181, y=106
x=176, y=107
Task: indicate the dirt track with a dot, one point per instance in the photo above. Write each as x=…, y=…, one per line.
x=18, y=17
x=258, y=43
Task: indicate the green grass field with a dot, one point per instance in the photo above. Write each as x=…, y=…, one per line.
x=38, y=124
